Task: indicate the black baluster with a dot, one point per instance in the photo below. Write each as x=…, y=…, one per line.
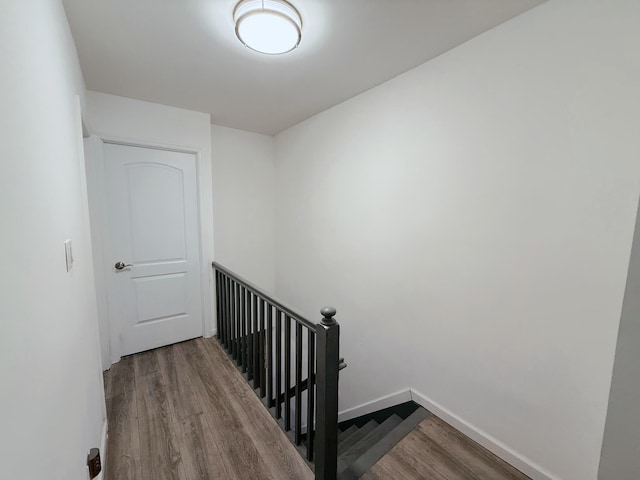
x=227, y=312
x=220, y=307
x=243, y=331
x=249, y=336
x=234, y=320
x=238, y=324
x=223, y=286
x=287, y=373
x=255, y=343
x=278, y=385
x=269, y=355
x=311, y=362
x=261, y=350
x=298, y=391
x=218, y=297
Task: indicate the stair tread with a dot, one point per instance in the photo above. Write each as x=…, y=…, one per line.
x=345, y=433
x=355, y=436
x=358, y=448
x=370, y=457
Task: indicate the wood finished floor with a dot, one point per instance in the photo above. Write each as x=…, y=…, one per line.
x=436, y=451
x=183, y=412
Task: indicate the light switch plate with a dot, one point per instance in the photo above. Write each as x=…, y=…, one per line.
x=68, y=251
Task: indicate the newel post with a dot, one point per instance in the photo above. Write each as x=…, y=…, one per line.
x=328, y=353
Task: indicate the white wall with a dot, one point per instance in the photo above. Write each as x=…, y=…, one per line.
x=51, y=400
x=143, y=123
x=471, y=220
x=620, y=458
x=244, y=196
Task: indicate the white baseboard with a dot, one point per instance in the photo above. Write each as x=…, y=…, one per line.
x=375, y=405
x=522, y=463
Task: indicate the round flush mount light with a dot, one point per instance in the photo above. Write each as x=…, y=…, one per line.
x=272, y=27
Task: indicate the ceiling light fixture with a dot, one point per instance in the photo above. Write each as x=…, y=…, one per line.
x=272, y=27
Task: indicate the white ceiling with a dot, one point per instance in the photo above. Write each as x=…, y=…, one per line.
x=184, y=53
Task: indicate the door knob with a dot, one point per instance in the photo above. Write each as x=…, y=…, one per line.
x=122, y=265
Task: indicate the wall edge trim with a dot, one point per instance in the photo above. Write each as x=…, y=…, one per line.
x=380, y=403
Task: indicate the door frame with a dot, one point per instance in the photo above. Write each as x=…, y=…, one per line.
x=96, y=181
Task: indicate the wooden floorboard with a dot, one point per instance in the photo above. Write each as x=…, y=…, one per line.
x=436, y=451
x=160, y=452
x=201, y=455
x=238, y=450
x=269, y=442
x=184, y=412
x=146, y=363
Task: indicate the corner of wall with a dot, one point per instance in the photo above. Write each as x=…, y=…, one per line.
x=525, y=465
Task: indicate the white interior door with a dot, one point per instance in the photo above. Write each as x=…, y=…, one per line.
x=154, y=295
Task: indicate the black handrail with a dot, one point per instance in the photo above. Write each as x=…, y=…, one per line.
x=272, y=300
x=245, y=318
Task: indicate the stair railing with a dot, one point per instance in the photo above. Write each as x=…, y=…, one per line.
x=256, y=330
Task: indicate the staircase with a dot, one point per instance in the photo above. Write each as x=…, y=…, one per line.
x=293, y=366
x=364, y=441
